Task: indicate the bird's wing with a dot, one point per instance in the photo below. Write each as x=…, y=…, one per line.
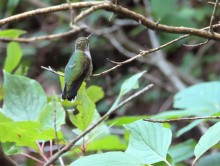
x=74, y=81
x=71, y=93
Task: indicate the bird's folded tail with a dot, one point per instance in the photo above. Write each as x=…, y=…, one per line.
x=70, y=93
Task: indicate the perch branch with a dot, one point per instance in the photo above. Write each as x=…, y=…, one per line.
x=72, y=143
x=53, y=71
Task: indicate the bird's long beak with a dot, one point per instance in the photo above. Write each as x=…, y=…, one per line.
x=89, y=36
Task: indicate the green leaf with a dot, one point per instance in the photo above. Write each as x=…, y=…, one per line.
x=148, y=141
x=163, y=10
x=108, y=159
x=47, y=115
x=182, y=151
x=11, y=33
x=86, y=109
x=101, y=131
x=211, y=159
x=203, y=97
x=1, y=92
x=120, y=121
x=111, y=142
x=172, y=114
x=14, y=54
x=95, y=93
x=209, y=139
x=131, y=83
x=128, y=85
x=188, y=127
x=62, y=80
x=169, y=160
x=4, y=118
x=10, y=148
x=24, y=98
x=25, y=133
x=11, y=5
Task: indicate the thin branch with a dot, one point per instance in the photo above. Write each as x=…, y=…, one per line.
x=55, y=131
x=143, y=53
x=114, y=62
x=33, y=158
x=146, y=22
x=196, y=45
x=53, y=71
x=210, y=27
x=51, y=148
x=119, y=10
x=72, y=143
x=213, y=16
x=213, y=3
x=41, y=148
x=182, y=119
x=47, y=37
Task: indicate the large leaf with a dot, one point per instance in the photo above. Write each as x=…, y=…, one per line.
x=204, y=97
x=14, y=54
x=209, y=139
x=11, y=33
x=86, y=109
x=108, y=159
x=120, y=121
x=25, y=133
x=101, y=131
x=47, y=115
x=10, y=148
x=4, y=118
x=95, y=93
x=111, y=142
x=201, y=100
x=24, y=98
x=211, y=159
x=148, y=144
x=148, y=141
x=128, y=85
x=182, y=151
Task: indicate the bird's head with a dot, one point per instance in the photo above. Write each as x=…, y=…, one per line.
x=82, y=43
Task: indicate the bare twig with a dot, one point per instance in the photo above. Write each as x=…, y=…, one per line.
x=182, y=119
x=143, y=53
x=72, y=143
x=47, y=37
x=213, y=16
x=114, y=62
x=210, y=26
x=213, y=3
x=52, y=70
x=119, y=10
x=196, y=45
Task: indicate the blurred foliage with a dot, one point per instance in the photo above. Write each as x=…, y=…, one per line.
x=29, y=96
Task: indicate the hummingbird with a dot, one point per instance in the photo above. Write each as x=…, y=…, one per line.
x=78, y=68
